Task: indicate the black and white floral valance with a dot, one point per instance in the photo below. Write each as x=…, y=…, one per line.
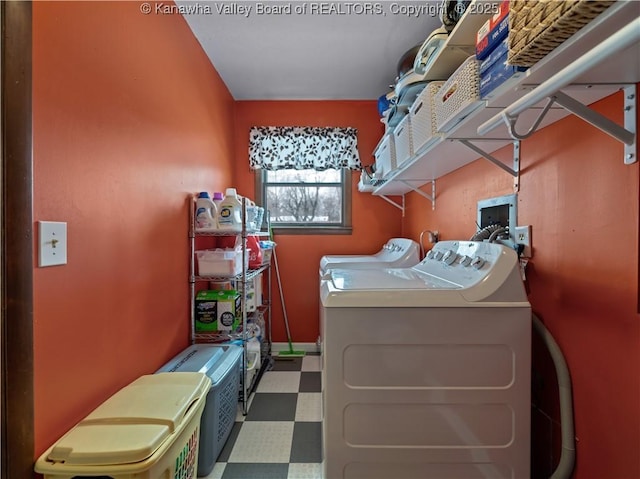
x=302, y=148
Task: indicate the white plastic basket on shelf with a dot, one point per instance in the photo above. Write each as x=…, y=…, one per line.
x=220, y=262
x=423, y=116
x=365, y=185
x=459, y=95
x=385, y=155
x=402, y=141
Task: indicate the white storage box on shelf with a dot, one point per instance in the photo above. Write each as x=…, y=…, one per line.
x=220, y=262
x=385, y=156
x=253, y=298
x=458, y=96
x=221, y=363
x=266, y=255
x=423, y=116
x=148, y=429
x=402, y=141
x=253, y=361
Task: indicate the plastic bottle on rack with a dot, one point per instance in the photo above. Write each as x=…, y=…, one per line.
x=218, y=196
x=230, y=213
x=206, y=212
x=250, y=214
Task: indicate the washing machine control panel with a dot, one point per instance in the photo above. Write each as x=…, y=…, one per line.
x=466, y=260
x=399, y=245
x=449, y=257
x=401, y=250
x=463, y=262
x=393, y=247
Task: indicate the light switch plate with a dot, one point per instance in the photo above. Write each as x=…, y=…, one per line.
x=52, y=243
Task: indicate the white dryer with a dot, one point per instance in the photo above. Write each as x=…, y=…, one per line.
x=426, y=370
x=395, y=253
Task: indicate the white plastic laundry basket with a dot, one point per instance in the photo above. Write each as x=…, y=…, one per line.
x=147, y=430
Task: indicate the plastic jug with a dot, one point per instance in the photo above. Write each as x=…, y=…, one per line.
x=218, y=196
x=230, y=213
x=206, y=213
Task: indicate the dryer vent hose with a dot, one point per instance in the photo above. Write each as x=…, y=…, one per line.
x=490, y=233
x=568, y=454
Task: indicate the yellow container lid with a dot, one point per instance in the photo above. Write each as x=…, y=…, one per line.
x=133, y=423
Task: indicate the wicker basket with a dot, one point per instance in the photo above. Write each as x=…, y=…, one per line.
x=458, y=96
x=423, y=116
x=536, y=27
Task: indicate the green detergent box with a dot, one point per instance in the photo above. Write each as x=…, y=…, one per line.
x=217, y=311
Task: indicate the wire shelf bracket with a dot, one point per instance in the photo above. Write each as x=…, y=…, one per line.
x=515, y=171
x=431, y=197
x=550, y=89
x=400, y=206
x=626, y=135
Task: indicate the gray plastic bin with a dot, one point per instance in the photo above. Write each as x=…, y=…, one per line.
x=221, y=363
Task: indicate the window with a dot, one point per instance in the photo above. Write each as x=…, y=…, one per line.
x=304, y=177
x=307, y=199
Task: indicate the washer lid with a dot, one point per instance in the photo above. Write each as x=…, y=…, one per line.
x=133, y=423
x=396, y=253
x=452, y=274
x=386, y=279
x=337, y=261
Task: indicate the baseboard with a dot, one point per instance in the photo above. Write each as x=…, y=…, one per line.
x=306, y=347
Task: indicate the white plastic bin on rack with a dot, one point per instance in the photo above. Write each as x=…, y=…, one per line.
x=385, y=156
x=148, y=429
x=253, y=296
x=220, y=262
x=253, y=361
x=459, y=96
x=423, y=116
x=222, y=364
x=402, y=141
x=267, y=247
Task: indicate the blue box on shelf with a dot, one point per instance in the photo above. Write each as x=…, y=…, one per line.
x=497, y=74
x=496, y=54
x=493, y=31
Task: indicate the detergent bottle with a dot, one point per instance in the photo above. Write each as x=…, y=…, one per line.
x=206, y=212
x=230, y=213
x=218, y=196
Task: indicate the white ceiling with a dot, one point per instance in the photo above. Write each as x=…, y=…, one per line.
x=308, y=56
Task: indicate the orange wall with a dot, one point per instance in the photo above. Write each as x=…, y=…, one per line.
x=374, y=220
x=582, y=202
x=129, y=118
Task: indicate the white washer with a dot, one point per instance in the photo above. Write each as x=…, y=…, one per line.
x=395, y=253
x=426, y=370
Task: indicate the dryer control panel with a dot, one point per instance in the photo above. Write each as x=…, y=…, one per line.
x=465, y=262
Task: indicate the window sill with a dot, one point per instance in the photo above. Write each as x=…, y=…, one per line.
x=312, y=230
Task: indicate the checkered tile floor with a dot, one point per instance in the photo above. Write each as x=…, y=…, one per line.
x=281, y=436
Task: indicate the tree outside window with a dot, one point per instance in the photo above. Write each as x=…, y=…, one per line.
x=303, y=176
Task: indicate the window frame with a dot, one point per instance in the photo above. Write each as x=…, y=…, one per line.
x=345, y=228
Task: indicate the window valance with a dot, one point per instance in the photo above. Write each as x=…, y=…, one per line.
x=303, y=148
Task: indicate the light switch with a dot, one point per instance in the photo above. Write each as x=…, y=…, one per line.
x=52, y=243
